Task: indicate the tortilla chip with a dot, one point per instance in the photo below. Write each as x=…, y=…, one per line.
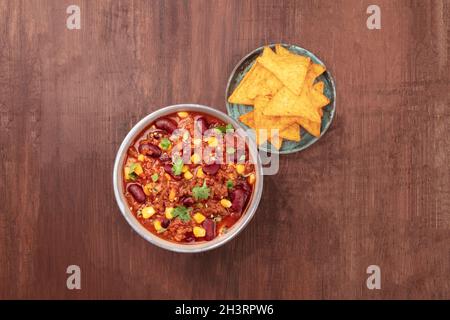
x=314, y=71
x=289, y=69
x=291, y=132
x=319, y=86
x=318, y=100
x=239, y=95
x=257, y=82
x=282, y=51
x=286, y=104
x=269, y=123
x=248, y=119
x=276, y=141
x=310, y=126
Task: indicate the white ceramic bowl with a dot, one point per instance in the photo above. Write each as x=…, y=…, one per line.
x=146, y=234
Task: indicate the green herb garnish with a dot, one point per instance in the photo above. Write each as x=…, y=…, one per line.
x=155, y=177
x=182, y=213
x=224, y=129
x=230, y=184
x=131, y=174
x=165, y=143
x=177, y=166
x=201, y=193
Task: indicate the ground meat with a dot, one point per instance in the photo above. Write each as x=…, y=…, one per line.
x=213, y=208
x=179, y=229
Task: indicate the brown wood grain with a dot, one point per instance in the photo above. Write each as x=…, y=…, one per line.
x=374, y=190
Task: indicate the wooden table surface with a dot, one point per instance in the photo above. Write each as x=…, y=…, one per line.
x=374, y=191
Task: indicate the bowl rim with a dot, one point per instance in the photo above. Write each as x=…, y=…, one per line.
x=333, y=104
x=148, y=235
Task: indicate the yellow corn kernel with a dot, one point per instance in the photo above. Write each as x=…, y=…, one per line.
x=199, y=232
x=197, y=142
x=225, y=203
x=147, y=212
x=185, y=168
x=167, y=176
x=172, y=194
x=212, y=142
x=138, y=169
x=141, y=157
x=195, y=158
x=199, y=218
x=240, y=168
x=251, y=178
x=182, y=114
x=157, y=225
x=200, y=173
x=147, y=189
x=169, y=213
x=188, y=175
x=126, y=172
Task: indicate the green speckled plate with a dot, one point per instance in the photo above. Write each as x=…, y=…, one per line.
x=236, y=110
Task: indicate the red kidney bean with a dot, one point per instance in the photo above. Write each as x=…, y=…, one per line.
x=201, y=124
x=169, y=170
x=187, y=201
x=210, y=228
x=243, y=184
x=150, y=150
x=189, y=237
x=213, y=123
x=137, y=192
x=238, y=200
x=165, y=158
x=166, y=124
x=155, y=133
x=165, y=223
x=132, y=152
x=211, y=168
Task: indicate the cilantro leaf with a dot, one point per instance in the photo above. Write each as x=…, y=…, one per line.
x=177, y=166
x=155, y=177
x=230, y=184
x=131, y=174
x=201, y=193
x=224, y=129
x=182, y=213
x=220, y=129
x=165, y=143
x=229, y=128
